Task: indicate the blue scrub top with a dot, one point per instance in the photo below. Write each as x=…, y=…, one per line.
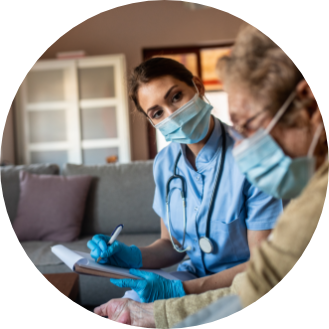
x=238, y=206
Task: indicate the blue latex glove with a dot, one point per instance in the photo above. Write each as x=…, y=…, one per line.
x=153, y=287
x=117, y=254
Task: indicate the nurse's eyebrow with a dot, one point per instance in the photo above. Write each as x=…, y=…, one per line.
x=168, y=92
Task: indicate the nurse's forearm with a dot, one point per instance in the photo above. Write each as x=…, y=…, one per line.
x=160, y=254
x=215, y=281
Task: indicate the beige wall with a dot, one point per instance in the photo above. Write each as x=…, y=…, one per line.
x=131, y=28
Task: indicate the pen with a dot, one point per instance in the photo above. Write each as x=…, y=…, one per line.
x=114, y=236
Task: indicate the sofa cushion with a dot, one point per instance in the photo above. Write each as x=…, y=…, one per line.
x=10, y=183
x=120, y=194
x=50, y=207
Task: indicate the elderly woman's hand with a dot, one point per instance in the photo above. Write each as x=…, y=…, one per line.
x=127, y=311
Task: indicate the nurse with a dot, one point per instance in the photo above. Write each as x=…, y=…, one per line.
x=207, y=208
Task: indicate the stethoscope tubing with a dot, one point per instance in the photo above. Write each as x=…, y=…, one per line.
x=217, y=179
x=181, y=178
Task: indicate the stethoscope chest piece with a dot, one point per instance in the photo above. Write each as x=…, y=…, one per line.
x=205, y=245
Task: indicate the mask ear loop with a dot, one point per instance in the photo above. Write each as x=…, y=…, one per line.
x=315, y=141
x=149, y=119
x=197, y=90
x=281, y=112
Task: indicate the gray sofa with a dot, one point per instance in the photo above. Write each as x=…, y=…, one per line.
x=118, y=194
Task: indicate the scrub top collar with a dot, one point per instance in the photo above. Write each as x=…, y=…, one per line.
x=210, y=149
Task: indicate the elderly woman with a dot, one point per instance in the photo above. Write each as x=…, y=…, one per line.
x=281, y=147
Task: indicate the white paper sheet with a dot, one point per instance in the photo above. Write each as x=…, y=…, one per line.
x=69, y=257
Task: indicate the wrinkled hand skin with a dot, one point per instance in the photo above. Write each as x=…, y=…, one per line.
x=127, y=311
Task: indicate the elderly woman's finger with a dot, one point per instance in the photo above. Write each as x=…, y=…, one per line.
x=101, y=310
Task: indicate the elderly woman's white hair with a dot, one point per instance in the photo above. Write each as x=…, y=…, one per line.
x=263, y=70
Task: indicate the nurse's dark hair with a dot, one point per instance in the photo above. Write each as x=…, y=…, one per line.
x=155, y=68
x=261, y=68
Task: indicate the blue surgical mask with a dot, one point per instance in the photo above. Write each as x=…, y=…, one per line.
x=189, y=124
x=266, y=166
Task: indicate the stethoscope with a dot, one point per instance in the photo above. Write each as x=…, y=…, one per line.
x=204, y=242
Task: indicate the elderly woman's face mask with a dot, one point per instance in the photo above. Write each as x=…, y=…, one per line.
x=267, y=167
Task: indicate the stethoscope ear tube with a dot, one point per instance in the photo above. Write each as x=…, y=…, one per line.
x=181, y=178
x=204, y=242
x=177, y=248
x=217, y=179
x=216, y=187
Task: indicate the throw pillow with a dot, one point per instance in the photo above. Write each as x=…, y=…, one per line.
x=50, y=207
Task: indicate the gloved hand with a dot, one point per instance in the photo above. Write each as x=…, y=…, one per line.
x=153, y=287
x=117, y=254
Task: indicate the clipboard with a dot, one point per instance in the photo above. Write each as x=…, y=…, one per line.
x=83, y=263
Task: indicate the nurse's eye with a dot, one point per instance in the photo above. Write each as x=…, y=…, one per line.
x=157, y=114
x=177, y=97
